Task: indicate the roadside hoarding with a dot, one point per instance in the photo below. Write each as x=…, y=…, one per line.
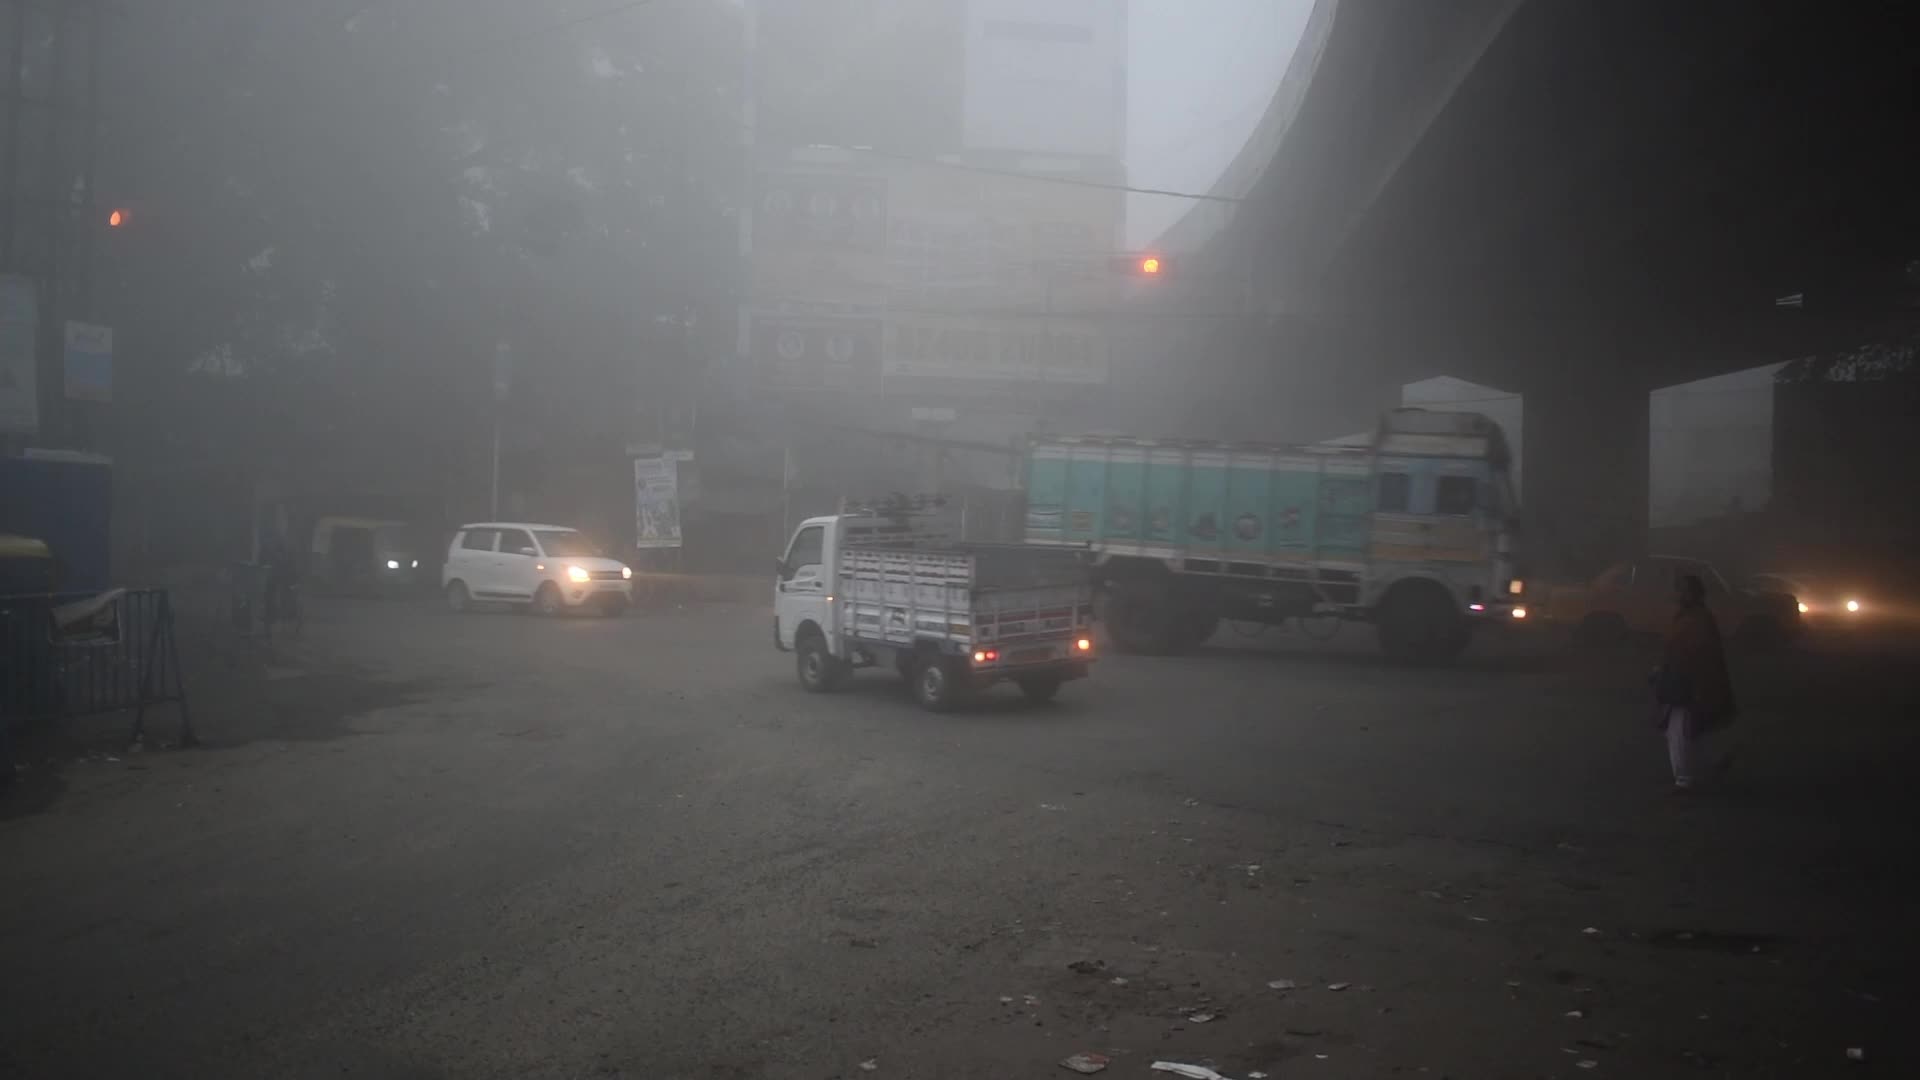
x=19, y=336
x=656, y=500
x=89, y=362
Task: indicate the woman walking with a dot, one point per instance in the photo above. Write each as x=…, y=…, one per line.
x=1693, y=692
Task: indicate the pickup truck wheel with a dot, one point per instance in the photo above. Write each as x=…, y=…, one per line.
x=547, y=602
x=1041, y=688
x=819, y=671
x=458, y=600
x=937, y=685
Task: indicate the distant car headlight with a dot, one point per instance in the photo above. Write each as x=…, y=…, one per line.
x=394, y=564
x=578, y=574
x=1853, y=606
x=1804, y=608
x=627, y=572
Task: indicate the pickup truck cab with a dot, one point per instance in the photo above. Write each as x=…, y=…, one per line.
x=865, y=590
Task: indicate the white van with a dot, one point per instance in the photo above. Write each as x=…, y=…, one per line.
x=551, y=568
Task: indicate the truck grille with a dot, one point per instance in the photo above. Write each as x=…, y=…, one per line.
x=606, y=575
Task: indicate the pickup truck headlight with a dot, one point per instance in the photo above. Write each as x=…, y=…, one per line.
x=578, y=575
x=626, y=572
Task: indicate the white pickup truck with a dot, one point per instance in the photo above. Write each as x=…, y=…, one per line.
x=862, y=590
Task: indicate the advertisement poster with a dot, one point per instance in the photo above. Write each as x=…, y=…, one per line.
x=656, y=500
x=89, y=362
x=19, y=331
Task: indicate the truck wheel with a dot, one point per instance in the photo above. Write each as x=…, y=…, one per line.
x=937, y=685
x=1419, y=625
x=1140, y=619
x=1601, y=628
x=1195, y=627
x=458, y=601
x=819, y=671
x=1041, y=688
x=548, y=602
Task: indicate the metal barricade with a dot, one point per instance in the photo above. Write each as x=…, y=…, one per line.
x=70, y=655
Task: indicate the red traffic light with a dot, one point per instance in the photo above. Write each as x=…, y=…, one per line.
x=1150, y=264
x=116, y=218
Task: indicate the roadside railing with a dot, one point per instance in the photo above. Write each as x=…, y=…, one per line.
x=68, y=655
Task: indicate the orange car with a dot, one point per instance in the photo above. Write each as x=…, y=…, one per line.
x=1636, y=597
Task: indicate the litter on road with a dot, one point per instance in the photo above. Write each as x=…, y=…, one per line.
x=1338, y=986
x=1191, y=1072
x=1283, y=984
x=1086, y=1063
x=870, y=1065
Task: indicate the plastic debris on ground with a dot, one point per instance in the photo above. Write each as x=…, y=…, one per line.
x=1587, y=1063
x=1591, y=931
x=1191, y=1072
x=1086, y=1063
x=1283, y=984
x=1338, y=986
x=870, y=1065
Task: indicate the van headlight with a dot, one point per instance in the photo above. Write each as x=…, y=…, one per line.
x=578, y=575
x=627, y=572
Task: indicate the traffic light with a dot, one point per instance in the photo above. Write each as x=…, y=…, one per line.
x=117, y=217
x=1143, y=264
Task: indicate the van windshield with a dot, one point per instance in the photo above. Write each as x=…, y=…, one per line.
x=565, y=543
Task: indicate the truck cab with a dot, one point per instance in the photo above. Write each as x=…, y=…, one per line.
x=858, y=590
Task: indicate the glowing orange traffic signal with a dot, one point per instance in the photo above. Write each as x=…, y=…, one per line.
x=1142, y=264
x=116, y=218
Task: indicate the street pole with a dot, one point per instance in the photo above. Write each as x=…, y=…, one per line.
x=493, y=496
x=502, y=389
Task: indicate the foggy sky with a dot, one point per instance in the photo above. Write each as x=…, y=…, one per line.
x=1200, y=74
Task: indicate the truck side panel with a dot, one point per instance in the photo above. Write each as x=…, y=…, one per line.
x=1165, y=509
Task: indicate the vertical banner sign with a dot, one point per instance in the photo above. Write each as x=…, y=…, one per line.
x=19, y=334
x=89, y=362
x=656, y=501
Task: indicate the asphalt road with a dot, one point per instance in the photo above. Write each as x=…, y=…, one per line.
x=495, y=846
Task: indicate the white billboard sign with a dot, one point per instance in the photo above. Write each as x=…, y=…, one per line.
x=656, y=502
x=986, y=350
x=1047, y=76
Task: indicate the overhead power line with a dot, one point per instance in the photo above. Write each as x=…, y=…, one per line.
x=1042, y=178
x=551, y=28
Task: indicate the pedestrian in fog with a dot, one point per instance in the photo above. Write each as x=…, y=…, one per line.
x=1692, y=691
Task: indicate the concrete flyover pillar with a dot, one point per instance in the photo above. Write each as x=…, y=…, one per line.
x=1587, y=463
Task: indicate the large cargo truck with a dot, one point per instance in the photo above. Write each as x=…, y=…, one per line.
x=1411, y=531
